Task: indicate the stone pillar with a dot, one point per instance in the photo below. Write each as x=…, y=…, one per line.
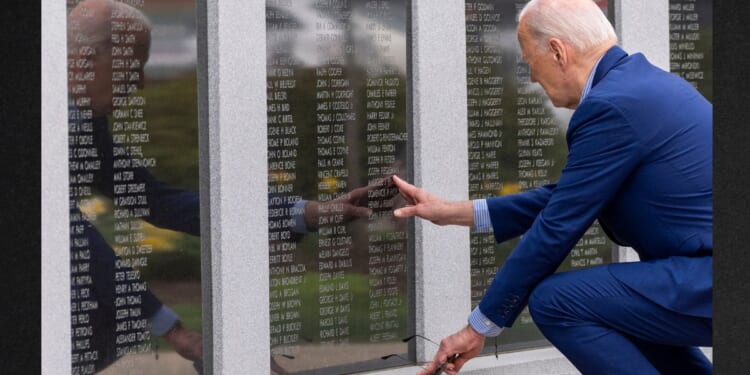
x=438, y=56
x=234, y=184
x=55, y=281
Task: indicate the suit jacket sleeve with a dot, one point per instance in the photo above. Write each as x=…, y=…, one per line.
x=603, y=150
x=512, y=215
x=169, y=207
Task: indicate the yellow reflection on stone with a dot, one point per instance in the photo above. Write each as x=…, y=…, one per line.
x=509, y=188
x=93, y=207
x=160, y=239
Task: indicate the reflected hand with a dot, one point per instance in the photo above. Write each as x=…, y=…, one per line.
x=350, y=206
x=427, y=206
x=467, y=343
x=187, y=343
x=276, y=368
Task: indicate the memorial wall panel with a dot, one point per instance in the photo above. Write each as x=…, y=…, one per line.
x=337, y=130
x=516, y=143
x=691, y=43
x=133, y=166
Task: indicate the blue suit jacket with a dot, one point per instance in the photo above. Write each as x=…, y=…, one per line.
x=640, y=161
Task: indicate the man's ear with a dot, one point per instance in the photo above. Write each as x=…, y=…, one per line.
x=559, y=53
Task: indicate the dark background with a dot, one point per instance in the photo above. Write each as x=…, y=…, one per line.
x=731, y=187
x=20, y=187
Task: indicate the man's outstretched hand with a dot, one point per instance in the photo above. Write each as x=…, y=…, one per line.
x=187, y=343
x=467, y=343
x=425, y=205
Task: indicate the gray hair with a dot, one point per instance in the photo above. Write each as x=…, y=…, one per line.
x=90, y=23
x=578, y=22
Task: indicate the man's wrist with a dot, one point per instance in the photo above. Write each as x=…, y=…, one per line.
x=473, y=331
x=163, y=321
x=177, y=325
x=460, y=213
x=483, y=325
x=311, y=215
x=299, y=214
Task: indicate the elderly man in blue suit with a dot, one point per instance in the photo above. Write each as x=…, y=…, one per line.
x=639, y=160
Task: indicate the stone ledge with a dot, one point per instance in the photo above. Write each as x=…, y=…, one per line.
x=544, y=361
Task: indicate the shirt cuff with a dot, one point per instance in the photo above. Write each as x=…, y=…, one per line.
x=298, y=212
x=163, y=320
x=482, y=222
x=483, y=325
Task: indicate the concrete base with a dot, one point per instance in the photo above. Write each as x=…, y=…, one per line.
x=544, y=361
x=147, y=364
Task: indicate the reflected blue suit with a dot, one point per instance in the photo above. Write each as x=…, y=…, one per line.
x=640, y=161
x=169, y=207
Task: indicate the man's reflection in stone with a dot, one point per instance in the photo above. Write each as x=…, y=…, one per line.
x=305, y=216
x=90, y=52
x=91, y=25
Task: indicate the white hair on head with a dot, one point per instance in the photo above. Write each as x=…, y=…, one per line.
x=131, y=13
x=90, y=22
x=579, y=22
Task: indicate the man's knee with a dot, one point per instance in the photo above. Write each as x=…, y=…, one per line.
x=560, y=296
x=545, y=300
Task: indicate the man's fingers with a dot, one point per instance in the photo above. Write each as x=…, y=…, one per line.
x=398, y=201
x=458, y=363
x=433, y=366
x=439, y=359
x=397, y=180
x=404, y=212
x=407, y=190
x=429, y=369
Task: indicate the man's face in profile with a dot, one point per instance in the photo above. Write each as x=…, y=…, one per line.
x=117, y=66
x=546, y=70
x=118, y=72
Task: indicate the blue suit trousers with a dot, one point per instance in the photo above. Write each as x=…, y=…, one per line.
x=604, y=327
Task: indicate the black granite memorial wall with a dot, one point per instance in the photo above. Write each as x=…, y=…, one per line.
x=691, y=43
x=337, y=129
x=135, y=257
